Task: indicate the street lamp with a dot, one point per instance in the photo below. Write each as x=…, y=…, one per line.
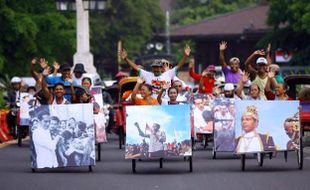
x=94, y=4
x=70, y=5
x=66, y=5
x=83, y=54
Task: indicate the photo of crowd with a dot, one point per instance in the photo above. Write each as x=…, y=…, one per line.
x=224, y=124
x=150, y=137
x=62, y=135
x=256, y=132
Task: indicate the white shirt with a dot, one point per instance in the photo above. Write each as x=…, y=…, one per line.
x=157, y=81
x=250, y=142
x=45, y=148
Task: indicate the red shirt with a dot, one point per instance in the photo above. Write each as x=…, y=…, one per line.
x=208, y=83
x=272, y=96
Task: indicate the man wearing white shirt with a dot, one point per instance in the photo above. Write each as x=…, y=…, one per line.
x=45, y=146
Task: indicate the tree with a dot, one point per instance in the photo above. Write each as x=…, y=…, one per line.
x=33, y=28
x=290, y=20
x=189, y=11
x=131, y=21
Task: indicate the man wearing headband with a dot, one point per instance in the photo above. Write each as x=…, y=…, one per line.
x=251, y=140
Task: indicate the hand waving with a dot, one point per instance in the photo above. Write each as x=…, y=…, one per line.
x=223, y=45
x=187, y=50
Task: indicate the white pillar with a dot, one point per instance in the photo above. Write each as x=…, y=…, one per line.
x=83, y=54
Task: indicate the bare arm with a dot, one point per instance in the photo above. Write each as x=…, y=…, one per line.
x=248, y=63
x=34, y=74
x=73, y=95
x=268, y=54
x=124, y=56
x=46, y=93
x=222, y=47
x=271, y=81
x=187, y=51
x=164, y=87
x=242, y=81
x=136, y=89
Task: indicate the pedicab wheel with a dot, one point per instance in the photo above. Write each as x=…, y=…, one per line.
x=33, y=170
x=19, y=136
x=260, y=158
x=99, y=151
x=190, y=160
x=300, y=155
x=120, y=136
x=242, y=162
x=161, y=162
x=285, y=156
x=214, y=154
x=90, y=168
x=133, y=165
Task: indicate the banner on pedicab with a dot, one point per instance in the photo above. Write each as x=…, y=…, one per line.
x=158, y=131
x=224, y=124
x=201, y=114
x=27, y=103
x=267, y=126
x=62, y=136
x=100, y=114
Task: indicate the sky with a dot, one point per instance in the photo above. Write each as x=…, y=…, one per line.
x=173, y=119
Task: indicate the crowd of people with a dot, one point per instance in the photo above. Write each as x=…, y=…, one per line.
x=161, y=85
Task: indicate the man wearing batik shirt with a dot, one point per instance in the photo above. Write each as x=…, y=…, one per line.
x=156, y=78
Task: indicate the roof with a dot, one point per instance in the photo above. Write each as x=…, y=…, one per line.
x=237, y=22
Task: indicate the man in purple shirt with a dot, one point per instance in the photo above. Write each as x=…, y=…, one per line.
x=232, y=71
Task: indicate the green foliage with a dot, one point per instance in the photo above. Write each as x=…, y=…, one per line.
x=290, y=20
x=33, y=28
x=190, y=11
x=131, y=21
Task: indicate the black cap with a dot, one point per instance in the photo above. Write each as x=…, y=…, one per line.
x=79, y=67
x=64, y=67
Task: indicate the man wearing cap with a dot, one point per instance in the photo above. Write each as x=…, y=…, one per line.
x=206, y=79
x=78, y=72
x=251, y=140
x=156, y=78
x=232, y=71
x=259, y=75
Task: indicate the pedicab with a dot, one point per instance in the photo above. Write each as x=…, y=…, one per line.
x=126, y=86
x=296, y=89
x=72, y=125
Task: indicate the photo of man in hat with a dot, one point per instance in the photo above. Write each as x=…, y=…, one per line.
x=251, y=140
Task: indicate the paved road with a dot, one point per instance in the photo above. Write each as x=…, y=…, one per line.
x=114, y=172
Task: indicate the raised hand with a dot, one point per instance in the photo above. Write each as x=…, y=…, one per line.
x=204, y=73
x=123, y=54
x=191, y=63
x=43, y=63
x=165, y=86
x=271, y=74
x=268, y=48
x=46, y=71
x=260, y=52
x=140, y=80
x=70, y=80
x=223, y=45
x=187, y=50
x=34, y=61
x=245, y=77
